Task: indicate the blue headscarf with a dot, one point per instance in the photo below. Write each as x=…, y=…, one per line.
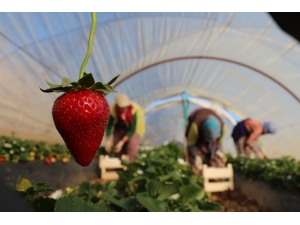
x=269, y=128
x=211, y=128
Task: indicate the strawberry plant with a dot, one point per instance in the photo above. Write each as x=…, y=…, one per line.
x=16, y=150
x=71, y=203
x=81, y=114
x=282, y=173
x=30, y=194
x=157, y=181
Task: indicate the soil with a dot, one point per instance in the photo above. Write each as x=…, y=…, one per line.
x=236, y=201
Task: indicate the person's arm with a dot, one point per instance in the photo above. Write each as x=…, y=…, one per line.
x=191, y=139
x=132, y=129
x=192, y=135
x=223, y=131
x=109, y=126
x=256, y=132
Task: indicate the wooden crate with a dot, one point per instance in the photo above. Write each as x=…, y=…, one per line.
x=106, y=162
x=216, y=174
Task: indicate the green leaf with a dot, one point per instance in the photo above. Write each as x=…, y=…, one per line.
x=42, y=204
x=209, y=206
x=113, y=80
x=105, y=93
x=151, y=169
x=161, y=191
x=99, y=86
x=84, y=188
x=65, y=82
x=30, y=193
x=23, y=185
x=138, y=178
x=165, y=177
x=109, y=88
x=189, y=193
x=128, y=204
x=112, y=192
x=109, y=185
x=75, y=84
x=52, y=85
x=40, y=187
x=151, y=204
x=87, y=81
x=57, y=89
x=195, y=208
x=73, y=203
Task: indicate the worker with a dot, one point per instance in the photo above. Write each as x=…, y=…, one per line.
x=246, y=132
x=204, y=132
x=127, y=124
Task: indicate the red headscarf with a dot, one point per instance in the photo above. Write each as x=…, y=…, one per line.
x=125, y=116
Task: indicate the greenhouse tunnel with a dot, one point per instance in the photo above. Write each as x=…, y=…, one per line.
x=240, y=64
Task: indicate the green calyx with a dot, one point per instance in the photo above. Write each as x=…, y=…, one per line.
x=87, y=82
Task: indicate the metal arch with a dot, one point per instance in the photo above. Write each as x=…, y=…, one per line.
x=211, y=58
x=198, y=102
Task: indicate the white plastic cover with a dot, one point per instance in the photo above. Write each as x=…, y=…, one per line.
x=241, y=61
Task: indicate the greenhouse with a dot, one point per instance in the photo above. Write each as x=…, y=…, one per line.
x=239, y=65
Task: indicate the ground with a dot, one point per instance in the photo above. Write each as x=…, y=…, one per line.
x=236, y=201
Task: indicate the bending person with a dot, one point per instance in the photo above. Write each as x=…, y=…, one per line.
x=127, y=123
x=204, y=133
x=246, y=132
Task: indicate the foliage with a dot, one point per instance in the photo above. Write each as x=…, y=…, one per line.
x=70, y=203
x=30, y=194
x=74, y=204
x=157, y=181
x=16, y=150
x=282, y=173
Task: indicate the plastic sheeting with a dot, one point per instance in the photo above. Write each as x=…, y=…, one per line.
x=241, y=61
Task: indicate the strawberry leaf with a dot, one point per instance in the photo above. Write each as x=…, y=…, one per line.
x=99, y=86
x=102, y=91
x=65, y=82
x=113, y=80
x=52, y=85
x=87, y=81
x=109, y=88
x=57, y=89
x=75, y=84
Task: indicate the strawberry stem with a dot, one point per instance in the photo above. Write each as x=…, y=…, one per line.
x=90, y=45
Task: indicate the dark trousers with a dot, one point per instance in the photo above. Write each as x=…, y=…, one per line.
x=131, y=147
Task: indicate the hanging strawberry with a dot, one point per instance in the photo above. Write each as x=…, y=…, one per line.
x=81, y=114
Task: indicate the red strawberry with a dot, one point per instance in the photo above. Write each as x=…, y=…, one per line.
x=47, y=161
x=81, y=116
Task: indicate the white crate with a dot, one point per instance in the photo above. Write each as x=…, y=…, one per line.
x=218, y=173
x=106, y=162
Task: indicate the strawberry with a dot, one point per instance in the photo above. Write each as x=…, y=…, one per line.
x=47, y=161
x=81, y=114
